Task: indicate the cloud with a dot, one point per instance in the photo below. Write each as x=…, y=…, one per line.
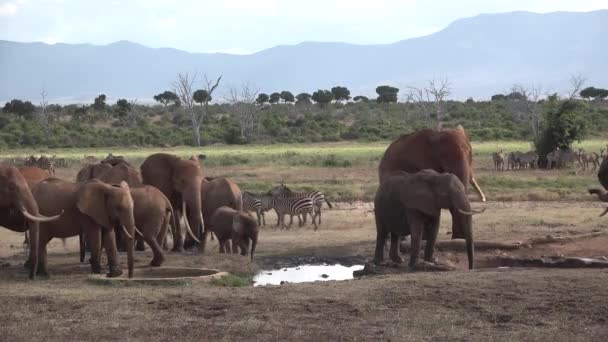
x=8, y=9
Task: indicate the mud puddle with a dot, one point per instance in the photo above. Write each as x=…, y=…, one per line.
x=305, y=274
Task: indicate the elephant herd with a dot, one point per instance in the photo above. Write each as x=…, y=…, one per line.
x=112, y=205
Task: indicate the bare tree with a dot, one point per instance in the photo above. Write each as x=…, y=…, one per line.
x=577, y=81
x=431, y=99
x=184, y=90
x=527, y=108
x=45, y=115
x=244, y=107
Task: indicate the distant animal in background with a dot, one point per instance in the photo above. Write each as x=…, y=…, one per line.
x=317, y=197
x=499, y=160
x=59, y=162
x=46, y=164
x=30, y=161
x=252, y=204
x=90, y=160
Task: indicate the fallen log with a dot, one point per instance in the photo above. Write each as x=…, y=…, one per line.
x=459, y=245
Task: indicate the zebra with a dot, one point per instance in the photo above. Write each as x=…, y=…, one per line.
x=317, y=198
x=528, y=159
x=59, y=162
x=292, y=206
x=567, y=157
x=553, y=157
x=513, y=160
x=251, y=203
x=499, y=160
x=30, y=161
x=46, y=164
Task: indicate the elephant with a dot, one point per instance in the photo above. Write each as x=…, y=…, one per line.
x=93, y=207
x=19, y=210
x=238, y=226
x=602, y=176
x=409, y=204
x=445, y=150
x=179, y=180
x=216, y=193
x=33, y=175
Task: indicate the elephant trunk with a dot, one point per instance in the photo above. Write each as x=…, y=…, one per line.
x=32, y=208
x=601, y=194
x=194, y=216
x=254, y=243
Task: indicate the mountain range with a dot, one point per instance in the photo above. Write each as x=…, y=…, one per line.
x=480, y=56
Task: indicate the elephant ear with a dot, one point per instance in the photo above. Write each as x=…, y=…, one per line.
x=91, y=201
x=416, y=192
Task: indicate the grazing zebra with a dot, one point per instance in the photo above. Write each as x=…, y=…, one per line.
x=567, y=157
x=292, y=206
x=253, y=204
x=499, y=160
x=583, y=159
x=513, y=160
x=594, y=159
x=30, y=161
x=553, y=158
x=528, y=159
x=46, y=164
x=317, y=198
x=59, y=162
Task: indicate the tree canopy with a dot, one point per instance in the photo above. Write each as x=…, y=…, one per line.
x=303, y=98
x=287, y=96
x=322, y=97
x=340, y=93
x=99, y=104
x=22, y=108
x=262, y=98
x=201, y=96
x=275, y=98
x=167, y=97
x=386, y=94
x=594, y=93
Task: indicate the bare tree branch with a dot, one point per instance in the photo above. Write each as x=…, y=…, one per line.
x=577, y=81
x=245, y=109
x=527, y=109
x=431, y=99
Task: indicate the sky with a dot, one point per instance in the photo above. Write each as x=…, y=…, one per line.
x=247, y=26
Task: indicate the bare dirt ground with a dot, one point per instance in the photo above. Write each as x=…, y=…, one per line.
x=486, y=304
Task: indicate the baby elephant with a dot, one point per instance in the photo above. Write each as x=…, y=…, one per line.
x=410, y=204
x=238, y=226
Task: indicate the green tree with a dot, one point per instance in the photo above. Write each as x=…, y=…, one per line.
x=340, y=93
x=593, y=93
x=99, y=104
x=303, y=98
x=24, y=109
x=498, y=97
x=274, y=98
x=201, y=96
x=387, y=94
x=287, y=96
x=167, y=97
x=563, y=125
x=262, y=98
x=360, y=98
x=322, y=97
x=122, y=108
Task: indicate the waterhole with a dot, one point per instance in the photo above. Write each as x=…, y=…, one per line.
x=305, y=274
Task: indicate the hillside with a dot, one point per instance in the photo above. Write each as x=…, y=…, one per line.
x=482, y=55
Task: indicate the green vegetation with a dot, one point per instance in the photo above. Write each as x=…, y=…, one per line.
x=232, y=280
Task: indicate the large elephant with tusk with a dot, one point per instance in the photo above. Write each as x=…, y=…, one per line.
x=409, y=204
x=19, y=211
x=179, y=180
x=93, y=207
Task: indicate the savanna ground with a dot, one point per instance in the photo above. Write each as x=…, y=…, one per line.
x=485, y=304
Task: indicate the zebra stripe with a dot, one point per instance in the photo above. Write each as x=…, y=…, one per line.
x=46, y=164
x=253, y=204
x=316, y=196
x=292, y=206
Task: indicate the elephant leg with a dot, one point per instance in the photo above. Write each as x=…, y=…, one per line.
x=43, y=262
x=109, y=243
x=121, y=239
x=140, y=246
x=416, y=228
x=93, y=239
x=222, y=244
x=178, y=241
x=381, y=234
x=433, y=228
x=394, y=249
x=159, y=256
x=204, y=241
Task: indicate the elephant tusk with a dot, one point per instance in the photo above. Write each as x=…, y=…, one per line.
x=126, y=232
x=478, y=189
x=472, y=212
x=138, y=232
x=40, y=218
x=605, y=212
x=188, y=228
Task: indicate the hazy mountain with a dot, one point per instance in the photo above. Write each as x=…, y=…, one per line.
x=481, y=56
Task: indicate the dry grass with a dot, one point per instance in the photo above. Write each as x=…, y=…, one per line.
x=482, y=305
